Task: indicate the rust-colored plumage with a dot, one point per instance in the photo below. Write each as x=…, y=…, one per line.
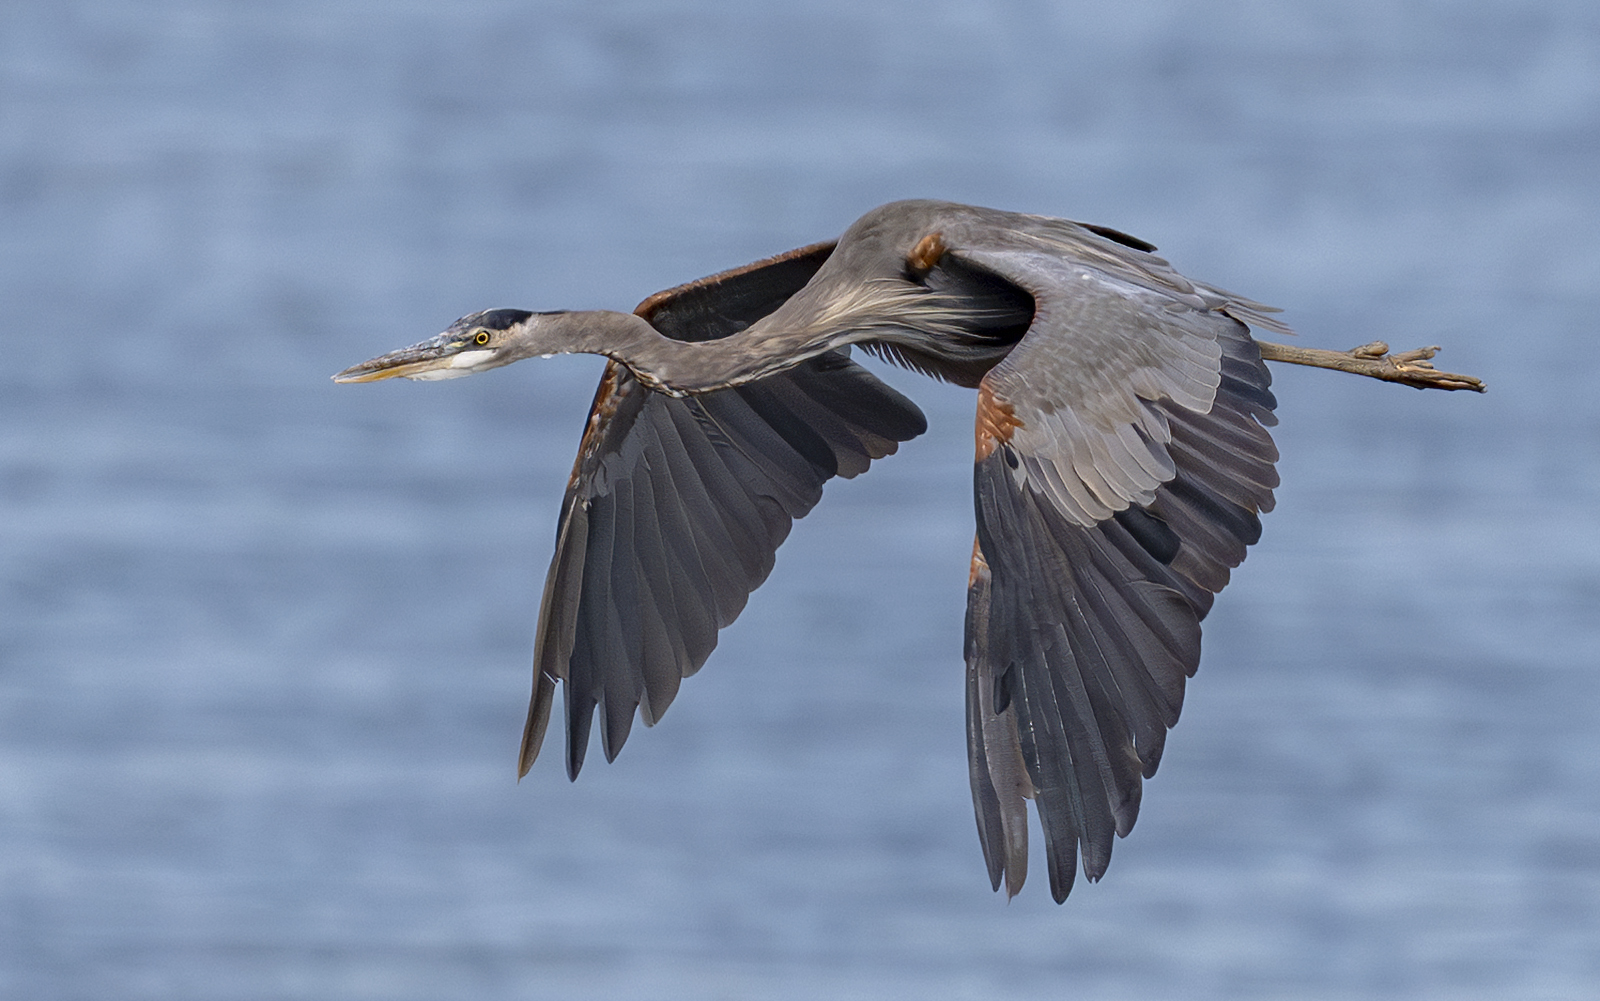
x=926, y=253
x=997, y=420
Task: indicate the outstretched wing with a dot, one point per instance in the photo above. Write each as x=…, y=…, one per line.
x=676, y=508
x=1122, y=460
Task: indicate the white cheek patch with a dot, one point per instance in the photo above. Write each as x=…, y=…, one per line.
x=470, y=359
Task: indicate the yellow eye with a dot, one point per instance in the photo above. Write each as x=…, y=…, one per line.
x=481, y=337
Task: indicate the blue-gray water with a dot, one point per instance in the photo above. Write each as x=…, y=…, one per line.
x=264, y=640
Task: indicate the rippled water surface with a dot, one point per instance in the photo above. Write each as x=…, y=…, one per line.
x=264, y=640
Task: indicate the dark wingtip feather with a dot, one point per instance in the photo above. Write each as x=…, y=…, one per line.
x=533, y=731
x=1063, y=873
x=614, y=728
x=580, y=717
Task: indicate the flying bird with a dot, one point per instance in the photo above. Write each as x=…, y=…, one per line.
x=1122, y=462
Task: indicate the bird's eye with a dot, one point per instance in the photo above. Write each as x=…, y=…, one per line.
x=481, y=337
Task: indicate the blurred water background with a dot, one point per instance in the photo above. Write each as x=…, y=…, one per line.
x=264, y=641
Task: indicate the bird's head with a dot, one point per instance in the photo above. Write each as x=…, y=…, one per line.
x=473, y=343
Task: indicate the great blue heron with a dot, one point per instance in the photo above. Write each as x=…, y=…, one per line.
x=1122, y=462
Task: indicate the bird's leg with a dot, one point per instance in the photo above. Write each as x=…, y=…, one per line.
x=1411, y=368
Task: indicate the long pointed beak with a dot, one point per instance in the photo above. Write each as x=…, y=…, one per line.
x=432, y=355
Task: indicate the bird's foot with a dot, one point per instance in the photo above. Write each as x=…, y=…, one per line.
x=1410, y=368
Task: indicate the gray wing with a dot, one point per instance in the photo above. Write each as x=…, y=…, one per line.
x=676, y=508
x=1122, y=461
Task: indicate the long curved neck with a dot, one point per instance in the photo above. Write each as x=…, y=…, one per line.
x=796, y=331
x=677, y=368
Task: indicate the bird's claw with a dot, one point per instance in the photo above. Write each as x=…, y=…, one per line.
x=1413, y=368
